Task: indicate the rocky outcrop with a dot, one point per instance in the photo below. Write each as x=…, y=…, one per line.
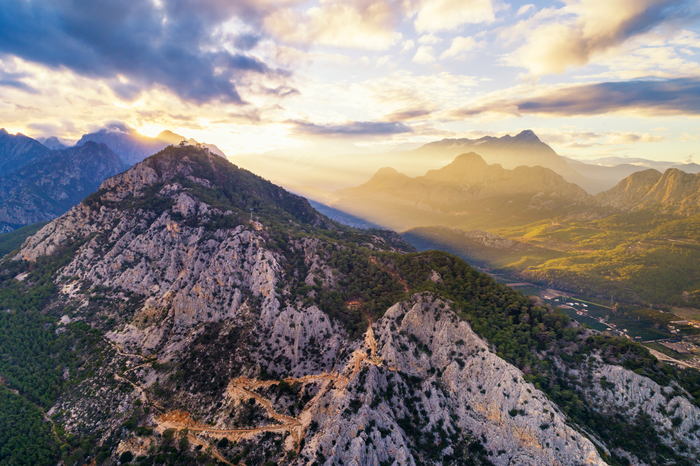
x=430, y=368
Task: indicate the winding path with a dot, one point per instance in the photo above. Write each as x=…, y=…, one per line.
x=243, y=387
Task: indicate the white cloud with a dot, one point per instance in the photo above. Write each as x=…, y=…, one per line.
x=628, y=137
x=424, y=55
x=381, y=61
x=408, y=45
x=338, y=23
x=525, y=9
x=585, y=30
x=429, y=39
x=438, y=15
x=460, y=45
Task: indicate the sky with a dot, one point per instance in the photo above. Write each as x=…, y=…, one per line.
x=593, y=78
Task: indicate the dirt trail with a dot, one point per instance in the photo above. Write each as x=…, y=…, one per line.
x=120, y=352
x=144, y=397
x=243, y=387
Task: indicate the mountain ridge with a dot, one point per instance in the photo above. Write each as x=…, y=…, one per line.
x=510, y=152
x=671, y=192
x=18, y=150
x=49, y=186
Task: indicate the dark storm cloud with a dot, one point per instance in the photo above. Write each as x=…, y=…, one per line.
x=354, y=128
x=679, y=96
x=173, y=46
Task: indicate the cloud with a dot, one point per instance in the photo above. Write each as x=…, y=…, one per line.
x=424, y=55
x=680, y=96
x=572, y=36
x=619, y=137
x=15, y=80
x=176, y=44
x=439, y=15
x=429, y=39
x=246, y=41
x=459, y=46
x=353, y=24
x=349, y=129
x=523, y=10
x=408, y=45
x=410, y=114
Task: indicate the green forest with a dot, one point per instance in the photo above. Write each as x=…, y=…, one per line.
x=641, y=258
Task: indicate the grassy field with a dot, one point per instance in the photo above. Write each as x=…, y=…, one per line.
x=687, y=312
x=667, y=351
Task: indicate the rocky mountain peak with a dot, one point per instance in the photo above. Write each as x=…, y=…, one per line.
x=527, y=136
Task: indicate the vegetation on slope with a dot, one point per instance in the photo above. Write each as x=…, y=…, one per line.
x=14, y=239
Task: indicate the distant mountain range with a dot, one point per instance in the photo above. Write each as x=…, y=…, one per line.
x=466, y=190
x=17, y=150
x=342, y=165
x=42, y=179
x=509, y=151
x=47, y=187
x=133, y=147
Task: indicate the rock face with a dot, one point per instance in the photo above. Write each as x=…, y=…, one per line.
x=673, y=192
x=453, y=385
x=299, y=341
x=47, y=187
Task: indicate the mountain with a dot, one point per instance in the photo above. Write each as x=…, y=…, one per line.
x=133, y=147
x=175, y=139
x=673, y=192
x=18, y=150
x=508, y=151
x=159, y=322
x=48, y=187
x=52, y=143
x=466, y=190
x=126, y=142
x=688, y=167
